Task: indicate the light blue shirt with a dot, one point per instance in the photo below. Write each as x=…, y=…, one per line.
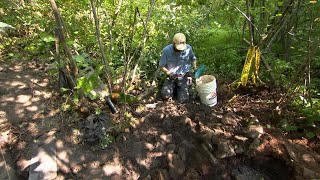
x=178, y=63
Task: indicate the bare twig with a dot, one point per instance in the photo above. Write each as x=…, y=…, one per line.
x=67, y=35
x=250, y=24
x=295, y=79
x=5, y=163
x=308, y=73
x=279, y=22
x=150, y=89
x=110, y=34
x=116, y=13
x=244, y=14
x=144, y=40
x=106, y=62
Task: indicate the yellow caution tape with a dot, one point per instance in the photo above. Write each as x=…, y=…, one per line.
x=250, y=67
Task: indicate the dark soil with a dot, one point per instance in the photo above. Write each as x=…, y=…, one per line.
x=170, y=141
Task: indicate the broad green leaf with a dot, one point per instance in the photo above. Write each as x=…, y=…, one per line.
x=280, y=3
x=310, y=135
x=79, y=59
x=81, y=82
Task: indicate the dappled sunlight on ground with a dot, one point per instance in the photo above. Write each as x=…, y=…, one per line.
x=24, y=97
x=169, y=141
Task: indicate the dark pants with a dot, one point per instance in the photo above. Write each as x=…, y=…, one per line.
x=174, y=86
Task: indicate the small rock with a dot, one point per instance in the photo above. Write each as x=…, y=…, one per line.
x=151, y=106
x=218, y=131
x=230, y=119
x=158, y=162
x=159, y=147
x=167, y=123
x=308, y=158
x=162, y=116
x=171, y=148
x=160, y=174
x=215, y=140
x=188, y=122
x=182, y=153
x=166, y=138
x=241, y=138
x=148, y=177
x=176, y=165
x=239, y=150
x=208, y=134
x=309, y=174
x=255, y=144
x=192, y=174
x=140, y=147
x=225, y=150
x=254, y=131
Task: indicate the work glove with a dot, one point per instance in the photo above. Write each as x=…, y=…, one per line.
x=199, y=71
x=172, y=76
x=175, y=76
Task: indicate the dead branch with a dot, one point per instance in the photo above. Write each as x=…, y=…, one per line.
x=244, y=14
x=277, y=24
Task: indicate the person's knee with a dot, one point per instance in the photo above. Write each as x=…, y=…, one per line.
x=183, y=97
x=167, y=90
x=166, y=93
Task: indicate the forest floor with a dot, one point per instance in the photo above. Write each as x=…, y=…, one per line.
x=236, y=139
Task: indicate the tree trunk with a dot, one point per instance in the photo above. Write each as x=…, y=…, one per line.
x=73, y=66
x=106, y=62
x=262, y=17
x=249, y=24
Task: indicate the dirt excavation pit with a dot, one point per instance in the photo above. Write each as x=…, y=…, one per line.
x=164, y=140
x=261, y=167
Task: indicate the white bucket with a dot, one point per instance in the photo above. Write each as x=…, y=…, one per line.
x=206, y=86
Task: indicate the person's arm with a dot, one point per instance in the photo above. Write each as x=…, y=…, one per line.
x=194, y=64
x=193, y=58
x=163, y=62
x=165, y=70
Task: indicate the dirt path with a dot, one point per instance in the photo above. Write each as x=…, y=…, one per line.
x=171, y=141
x=24, y=100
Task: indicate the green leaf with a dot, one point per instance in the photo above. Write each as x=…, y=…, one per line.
x=80, y=82
x=64, y=89
x=79, y=58
x=310, y=135
x=76, y=99
x=47, y=37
